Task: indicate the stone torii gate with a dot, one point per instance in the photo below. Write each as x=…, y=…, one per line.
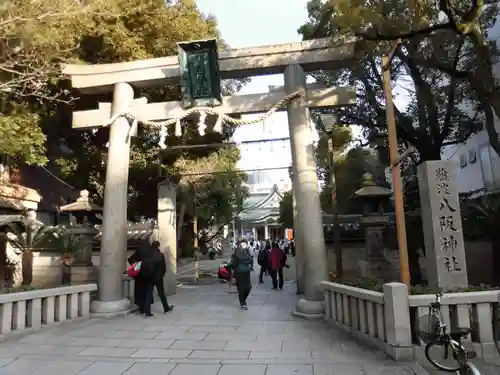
x=293, y=60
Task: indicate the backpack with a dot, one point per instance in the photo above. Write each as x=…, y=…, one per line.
x=276, y=259
x=244, y=261
x=223, y=272
x=134, y=269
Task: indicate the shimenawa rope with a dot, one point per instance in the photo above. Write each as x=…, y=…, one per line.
x=222, y=118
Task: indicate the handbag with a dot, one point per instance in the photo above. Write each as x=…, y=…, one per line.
x=134, y=269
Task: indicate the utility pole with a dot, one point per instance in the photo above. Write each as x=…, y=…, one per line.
x=395, y=159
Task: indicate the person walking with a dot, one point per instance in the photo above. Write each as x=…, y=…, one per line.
x=277, y=260
x=160, y=270
x=139, y=281
x=262, y=261
x=147, y=277
x=242, y=264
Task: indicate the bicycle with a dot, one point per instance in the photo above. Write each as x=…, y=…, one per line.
x=437, y=336
x=496, y=328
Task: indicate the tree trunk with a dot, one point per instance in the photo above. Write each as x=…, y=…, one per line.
x=3, y=262
x=27, y=267
x=180, y=227
x=415, y=271
x=495, y=249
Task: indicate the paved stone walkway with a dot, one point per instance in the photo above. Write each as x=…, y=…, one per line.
x=207, y=334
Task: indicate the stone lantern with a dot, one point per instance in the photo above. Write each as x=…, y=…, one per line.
x=374, y=221
x=82, y=269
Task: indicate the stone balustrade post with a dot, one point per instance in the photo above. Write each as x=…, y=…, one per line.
x=397, y=322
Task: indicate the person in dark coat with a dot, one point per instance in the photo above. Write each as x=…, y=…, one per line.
x=143, y=252
x=262, y=261
x=242, y=264
x=149, y=273
x=161, y=269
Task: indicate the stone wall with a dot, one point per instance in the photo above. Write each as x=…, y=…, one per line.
x=478, y=256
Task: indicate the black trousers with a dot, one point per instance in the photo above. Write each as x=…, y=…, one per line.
x=244, y=286
x=277, y=277
x=263, y=270
x=161, y=293
x=148, y=297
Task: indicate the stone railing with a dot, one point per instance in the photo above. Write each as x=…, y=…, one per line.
x=474, y=310
x=371, y=317
x=128, y=288
x=389, y=320
x=32, y=310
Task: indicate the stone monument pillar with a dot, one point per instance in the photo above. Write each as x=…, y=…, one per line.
x=442, y=224
x=114, y=224
x=167, y=232
x=305, y=185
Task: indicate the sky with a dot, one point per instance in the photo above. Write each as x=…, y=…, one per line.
x=249, y=23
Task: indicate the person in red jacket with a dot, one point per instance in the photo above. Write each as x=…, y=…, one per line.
x=277, y=260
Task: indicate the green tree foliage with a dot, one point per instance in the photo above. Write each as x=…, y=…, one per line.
x=349, y=170
x=432, y=118
x=286, y=210
x=35, y=36
x=212, y=185
x=340, y=138
x=57, y=31
x=428, y=22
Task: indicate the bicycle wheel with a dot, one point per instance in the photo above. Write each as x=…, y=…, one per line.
x=496, y=334
x=442, y=356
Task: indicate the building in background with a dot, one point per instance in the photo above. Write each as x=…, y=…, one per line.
x=478, y=164
x=260, y=216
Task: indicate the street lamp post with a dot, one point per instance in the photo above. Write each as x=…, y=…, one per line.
x=329, y=121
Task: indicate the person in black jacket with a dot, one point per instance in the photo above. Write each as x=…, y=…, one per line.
x=161, y=269
x=262, y=260
x=144, y=282
x=139, y=282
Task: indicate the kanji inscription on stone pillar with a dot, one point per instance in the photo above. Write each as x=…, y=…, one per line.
x=442, y=225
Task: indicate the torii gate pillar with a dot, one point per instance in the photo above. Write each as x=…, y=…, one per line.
x=114, y=228
x=305, y=186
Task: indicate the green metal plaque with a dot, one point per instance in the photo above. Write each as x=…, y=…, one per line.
x=200, y=75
